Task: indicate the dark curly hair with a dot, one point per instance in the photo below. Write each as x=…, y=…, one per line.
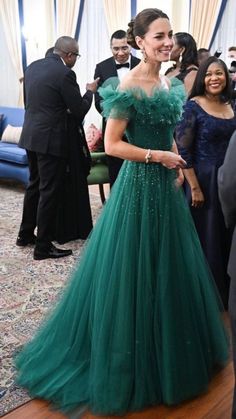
x=189, y=56
x=199, y=87
x=140, y=24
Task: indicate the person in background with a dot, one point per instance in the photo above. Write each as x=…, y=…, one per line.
x=114, y=68
x=218, y=52
x=73, y=217
x=139, y=324
x=184, y=53
x=202, y=55
x=202, y=136
x=50, y=88
x=232, y=53
x=227, y=195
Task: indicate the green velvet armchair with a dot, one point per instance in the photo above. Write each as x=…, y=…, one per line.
x=99, y=172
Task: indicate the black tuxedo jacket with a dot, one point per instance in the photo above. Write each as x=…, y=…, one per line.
x=50, y=88
x=105, y=70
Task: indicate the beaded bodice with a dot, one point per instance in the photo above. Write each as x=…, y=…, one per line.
x=151, y=118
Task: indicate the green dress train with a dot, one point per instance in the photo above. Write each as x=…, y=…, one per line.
x=139, y=323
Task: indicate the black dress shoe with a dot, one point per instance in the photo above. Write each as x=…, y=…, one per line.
x=52, y=253
x=25, y=241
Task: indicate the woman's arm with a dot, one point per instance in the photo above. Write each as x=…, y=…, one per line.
x=174, y=147
x=189, y=80
x=180, y=175
x=186, y=137
x=115, y=146
x=196, y=192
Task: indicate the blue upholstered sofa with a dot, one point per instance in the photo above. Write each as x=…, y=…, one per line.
x=13, y=160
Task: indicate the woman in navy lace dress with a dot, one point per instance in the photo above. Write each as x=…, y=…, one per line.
x=202, y=136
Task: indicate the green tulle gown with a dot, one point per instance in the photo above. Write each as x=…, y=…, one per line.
x=139, y=324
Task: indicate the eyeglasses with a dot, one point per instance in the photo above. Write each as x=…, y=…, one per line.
x=71, y=52
x=75, y=53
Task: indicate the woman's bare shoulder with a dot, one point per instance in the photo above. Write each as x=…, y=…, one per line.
x=165, y=81
x=129, y=82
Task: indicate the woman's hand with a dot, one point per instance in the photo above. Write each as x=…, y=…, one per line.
x=169, y=159
x=197, y=197
x=180, y=178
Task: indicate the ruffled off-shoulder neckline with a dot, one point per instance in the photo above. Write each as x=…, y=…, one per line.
x=164, y=104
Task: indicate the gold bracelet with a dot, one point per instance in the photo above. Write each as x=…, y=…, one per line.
x=148, y=156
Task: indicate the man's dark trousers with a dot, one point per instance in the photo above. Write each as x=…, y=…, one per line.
x=46, y=172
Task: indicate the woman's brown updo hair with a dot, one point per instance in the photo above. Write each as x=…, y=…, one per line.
x=140, y=24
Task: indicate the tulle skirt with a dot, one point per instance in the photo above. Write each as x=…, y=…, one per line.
x=140, y=321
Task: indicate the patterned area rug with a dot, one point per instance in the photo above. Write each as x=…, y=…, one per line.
x=28, y=287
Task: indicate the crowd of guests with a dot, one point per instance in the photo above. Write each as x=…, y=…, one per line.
x=59, y=162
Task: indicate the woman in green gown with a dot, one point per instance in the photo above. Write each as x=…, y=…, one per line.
x=140, y=322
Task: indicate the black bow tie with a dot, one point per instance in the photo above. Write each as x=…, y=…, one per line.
x=118, y=66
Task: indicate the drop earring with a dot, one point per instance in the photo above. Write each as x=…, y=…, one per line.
x=144, y=55
x=180, y=57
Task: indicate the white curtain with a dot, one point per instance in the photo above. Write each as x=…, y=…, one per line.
x=9, y=86
x=164, y=5
x=203, y=20
x=39, y=28
x=226, y=34
x=11, y=27
x=180, y=15
x=94, y=46
x=67, y=16
x=117, y=14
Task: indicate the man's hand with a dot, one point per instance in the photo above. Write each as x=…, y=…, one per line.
x=93, y=85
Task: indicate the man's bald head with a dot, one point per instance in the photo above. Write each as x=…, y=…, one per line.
x=66, y=44
x=68, y=49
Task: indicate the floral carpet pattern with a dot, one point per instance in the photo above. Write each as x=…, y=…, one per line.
x=28, y=288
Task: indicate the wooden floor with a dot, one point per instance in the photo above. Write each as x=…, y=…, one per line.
x=215, y=404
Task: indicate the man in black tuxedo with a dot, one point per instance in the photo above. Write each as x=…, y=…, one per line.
x=50, y=89
x=227, y=194
x=116, y=66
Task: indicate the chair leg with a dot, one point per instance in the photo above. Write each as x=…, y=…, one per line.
x=102, y=195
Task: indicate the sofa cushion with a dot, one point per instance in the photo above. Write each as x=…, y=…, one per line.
x=94, y=138
x=12, y=153
x=11, y=134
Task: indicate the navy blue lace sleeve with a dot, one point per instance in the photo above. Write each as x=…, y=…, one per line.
x=185, y=133
x=202, y=137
